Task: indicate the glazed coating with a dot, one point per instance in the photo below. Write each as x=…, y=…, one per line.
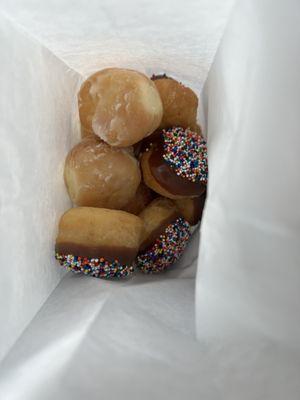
x=144, y=195
x=156, y=216
x=85, y=132
x=180, y=103
x=98, y=175
x=120, y=106
x=191, y=208
x=99, y=232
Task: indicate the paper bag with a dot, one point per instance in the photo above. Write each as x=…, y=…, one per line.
x=137, y=339
x=47, y=49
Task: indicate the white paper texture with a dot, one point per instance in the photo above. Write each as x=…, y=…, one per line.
x=96, y=339
x=179, y=37
x=36, y=100
x=249, y=267
x=248, y=279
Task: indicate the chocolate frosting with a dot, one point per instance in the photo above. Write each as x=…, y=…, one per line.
x=124, y=255
x=147, y=243
x=167, y=177
x=159, y=76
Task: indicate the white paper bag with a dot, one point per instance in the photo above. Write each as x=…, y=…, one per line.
x=47, y=48
x=136, y=339
x=249, y=266
x=248, y=280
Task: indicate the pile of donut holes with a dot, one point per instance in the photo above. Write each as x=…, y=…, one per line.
x=118, y=108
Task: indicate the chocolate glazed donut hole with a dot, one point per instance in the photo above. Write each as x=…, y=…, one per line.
x=164, y=238
x=175, y=163
x=99, y=242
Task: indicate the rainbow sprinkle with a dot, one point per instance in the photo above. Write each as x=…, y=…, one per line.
x=186, y=152
x=97, y=267
x=167, y=248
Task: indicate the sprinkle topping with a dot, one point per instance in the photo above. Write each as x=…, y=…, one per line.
x=186, y=152
x=167, y=248
x=97, y=267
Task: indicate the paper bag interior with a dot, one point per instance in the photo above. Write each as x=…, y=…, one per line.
x=47, y=50
x=137, y=339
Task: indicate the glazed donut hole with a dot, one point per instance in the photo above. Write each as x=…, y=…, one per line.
x=98, y=175
x=120, y=106
x=180, y=103
x=85, y=132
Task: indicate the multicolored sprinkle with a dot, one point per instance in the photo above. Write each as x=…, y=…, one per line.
x=167, y=248
x=96, y=267
x=185, y=151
